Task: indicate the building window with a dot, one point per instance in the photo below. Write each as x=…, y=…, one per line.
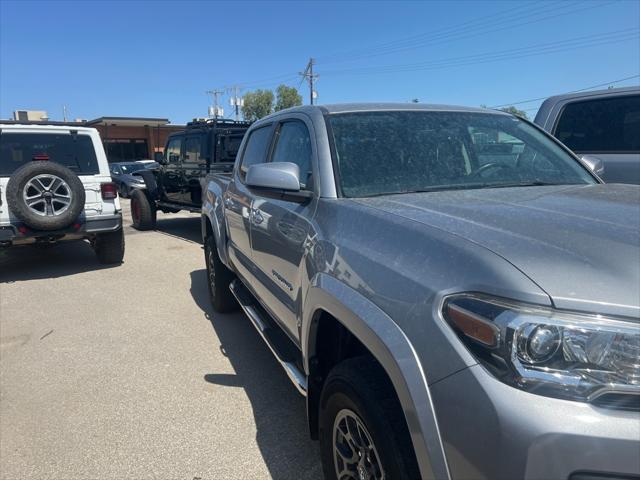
x=125, y=149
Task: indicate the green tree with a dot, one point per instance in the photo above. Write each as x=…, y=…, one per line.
x=257, y=104
x=515, y=111
x=287, y=97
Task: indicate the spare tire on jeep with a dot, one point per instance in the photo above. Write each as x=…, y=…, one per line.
x=45, y=195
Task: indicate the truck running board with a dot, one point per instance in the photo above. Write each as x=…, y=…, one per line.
x=188, y=208
x=282, y=348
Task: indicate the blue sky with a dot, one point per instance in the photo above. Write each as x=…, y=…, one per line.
x=157, y=58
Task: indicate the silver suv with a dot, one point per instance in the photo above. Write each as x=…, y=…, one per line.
x=54, y=186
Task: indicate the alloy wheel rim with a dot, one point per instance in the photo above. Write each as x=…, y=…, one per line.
x=355, y=456
x=47, y=195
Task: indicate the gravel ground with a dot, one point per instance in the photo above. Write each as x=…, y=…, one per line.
x=126, y=372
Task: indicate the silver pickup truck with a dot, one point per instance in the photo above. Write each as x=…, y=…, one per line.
x=456, y=294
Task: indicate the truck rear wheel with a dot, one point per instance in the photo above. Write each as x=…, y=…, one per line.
x=109, y=247
x=143, y=213
x=363, y=433
x=219, y=277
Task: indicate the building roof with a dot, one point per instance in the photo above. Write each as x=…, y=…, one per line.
x=128, y=121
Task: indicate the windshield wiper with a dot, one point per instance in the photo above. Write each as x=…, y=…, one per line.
x=534, y=183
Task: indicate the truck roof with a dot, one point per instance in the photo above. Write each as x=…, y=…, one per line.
x=372, y=107
x=592, y=93
x=381, y=107
x=550, y=108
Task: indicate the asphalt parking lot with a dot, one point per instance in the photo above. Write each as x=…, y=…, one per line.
x=126, y=372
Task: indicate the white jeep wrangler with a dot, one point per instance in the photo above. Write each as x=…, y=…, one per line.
x=55, y=186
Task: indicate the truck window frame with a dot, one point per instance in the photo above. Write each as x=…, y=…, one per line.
x=276, y=139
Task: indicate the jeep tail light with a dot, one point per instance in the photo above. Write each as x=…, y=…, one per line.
x=109, y=191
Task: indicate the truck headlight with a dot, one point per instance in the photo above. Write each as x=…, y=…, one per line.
x=589, y=358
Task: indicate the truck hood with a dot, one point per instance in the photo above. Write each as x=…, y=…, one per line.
x=579, y=243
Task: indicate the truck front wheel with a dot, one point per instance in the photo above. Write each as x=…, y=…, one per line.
x=143, y=213
x=219, y=277
x=363, y=433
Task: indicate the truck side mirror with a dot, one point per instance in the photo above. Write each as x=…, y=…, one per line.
x=159, y=157
x=274, y=176
x=595, y=164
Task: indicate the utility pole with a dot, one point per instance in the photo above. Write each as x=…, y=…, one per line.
x=235, y=100
x=310, y=76
x=215, y=93
x=64, y=113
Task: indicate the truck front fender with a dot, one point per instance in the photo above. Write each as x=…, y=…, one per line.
x=392, y=349
x=212, y=223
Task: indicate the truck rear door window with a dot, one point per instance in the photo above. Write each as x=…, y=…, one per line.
x=75, y=152
x=610, y=125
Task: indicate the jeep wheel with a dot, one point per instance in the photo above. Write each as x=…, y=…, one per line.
x=219, y=277
x=363, y=433
x=143, y=213
x=45, y=195
x=109, y=247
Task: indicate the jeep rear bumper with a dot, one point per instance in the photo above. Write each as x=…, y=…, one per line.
x=17, y=233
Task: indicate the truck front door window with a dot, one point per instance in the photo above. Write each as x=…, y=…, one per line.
x=294, y=145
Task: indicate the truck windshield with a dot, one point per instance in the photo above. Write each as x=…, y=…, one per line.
x=390, y=152
x=73, y=151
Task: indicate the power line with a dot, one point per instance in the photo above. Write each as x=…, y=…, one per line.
x=488, y=27
x=532, y=50
x=421, y=37
x=606, y=84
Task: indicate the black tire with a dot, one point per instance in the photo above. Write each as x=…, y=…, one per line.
x=360, y=386
x=219, y=277
x=49, y=202
x=109, y=247
x=143, y=212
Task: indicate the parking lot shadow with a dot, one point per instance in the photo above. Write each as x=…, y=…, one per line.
x=279, y=411
x=184, y=228
x=50, y=261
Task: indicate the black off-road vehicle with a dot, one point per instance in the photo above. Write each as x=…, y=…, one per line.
x=203, y=147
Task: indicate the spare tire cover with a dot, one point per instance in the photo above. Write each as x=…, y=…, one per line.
x=45, y=195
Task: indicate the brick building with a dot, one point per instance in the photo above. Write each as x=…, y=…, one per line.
x=132, y=138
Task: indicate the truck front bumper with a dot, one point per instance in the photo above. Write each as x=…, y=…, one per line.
x=493, y=431
x=18, y=233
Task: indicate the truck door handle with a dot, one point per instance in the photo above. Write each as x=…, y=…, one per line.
x=257, y=217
